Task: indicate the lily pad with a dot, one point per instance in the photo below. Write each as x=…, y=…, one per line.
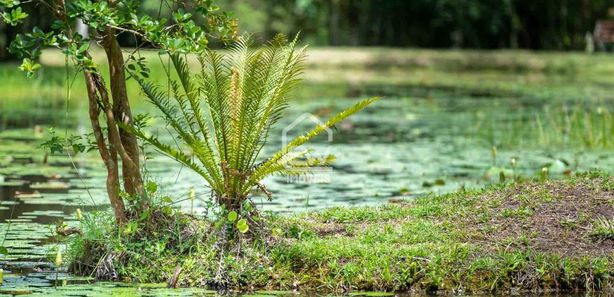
x=12, y=183
x=23, y=195
x=53, y=185
x=16, y=291
x=371, y=294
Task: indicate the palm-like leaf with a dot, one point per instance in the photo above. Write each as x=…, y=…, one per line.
x=224, y=115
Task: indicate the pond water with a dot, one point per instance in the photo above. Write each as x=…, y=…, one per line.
x=412, y=142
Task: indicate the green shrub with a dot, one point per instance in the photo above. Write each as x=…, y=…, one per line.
x=224, y=114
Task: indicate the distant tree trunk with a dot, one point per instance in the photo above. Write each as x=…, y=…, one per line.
x=334, y=23
x=565, y=38
x=514, y=24
x=4, y=41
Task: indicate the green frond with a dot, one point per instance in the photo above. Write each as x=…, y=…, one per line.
x=195, y=117
x=180, y=121
x=162, y=102
x=282, y=79
x=172, y=153
x=214, y=82
x=224, y=114
x=280, y=159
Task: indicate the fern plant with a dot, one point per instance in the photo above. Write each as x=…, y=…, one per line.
x=223, y=116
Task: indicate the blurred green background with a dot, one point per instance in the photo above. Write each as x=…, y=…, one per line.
x=484, y=24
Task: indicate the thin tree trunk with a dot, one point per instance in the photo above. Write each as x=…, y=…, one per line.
x=108, y=155
x=133, y=182
x=99, y=101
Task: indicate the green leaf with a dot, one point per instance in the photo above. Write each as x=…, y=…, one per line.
x=145, y=215
x=84, y=47
x=247, y=206
x=242, y=225
x=4, y=250
x=89, y=64
x=78, y=147
x=54, y=144
x=232, y=216
x=277, y=232
x=9, y=3
x=14, y=17
x=29, y=67
x=130, y=228
x=501, y=176
x=151, y=187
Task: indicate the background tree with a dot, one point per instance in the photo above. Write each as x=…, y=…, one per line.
x=109, y=108
x=547, y=24
x=40, y=17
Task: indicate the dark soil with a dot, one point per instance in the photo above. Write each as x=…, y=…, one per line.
x=552, y=217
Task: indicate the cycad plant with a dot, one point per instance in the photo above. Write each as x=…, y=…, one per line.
x=222, y=116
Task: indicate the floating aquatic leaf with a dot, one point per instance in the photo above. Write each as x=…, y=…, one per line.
x=53, y=185
x=12, y=183
x=372, y=294
x=16, y=291
x=275, y=293
x=23, y=195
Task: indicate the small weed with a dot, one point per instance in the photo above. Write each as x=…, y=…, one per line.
x=569, y=223
x=603, y=228
x=521, y=212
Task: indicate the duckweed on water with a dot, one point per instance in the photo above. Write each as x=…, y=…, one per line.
x=505, y=238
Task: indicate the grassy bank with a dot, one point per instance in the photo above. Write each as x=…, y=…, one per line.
x=526, y=236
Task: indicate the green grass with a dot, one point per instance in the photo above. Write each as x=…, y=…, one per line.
x=603, y=228
x=588, y=124
x=526, y=236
